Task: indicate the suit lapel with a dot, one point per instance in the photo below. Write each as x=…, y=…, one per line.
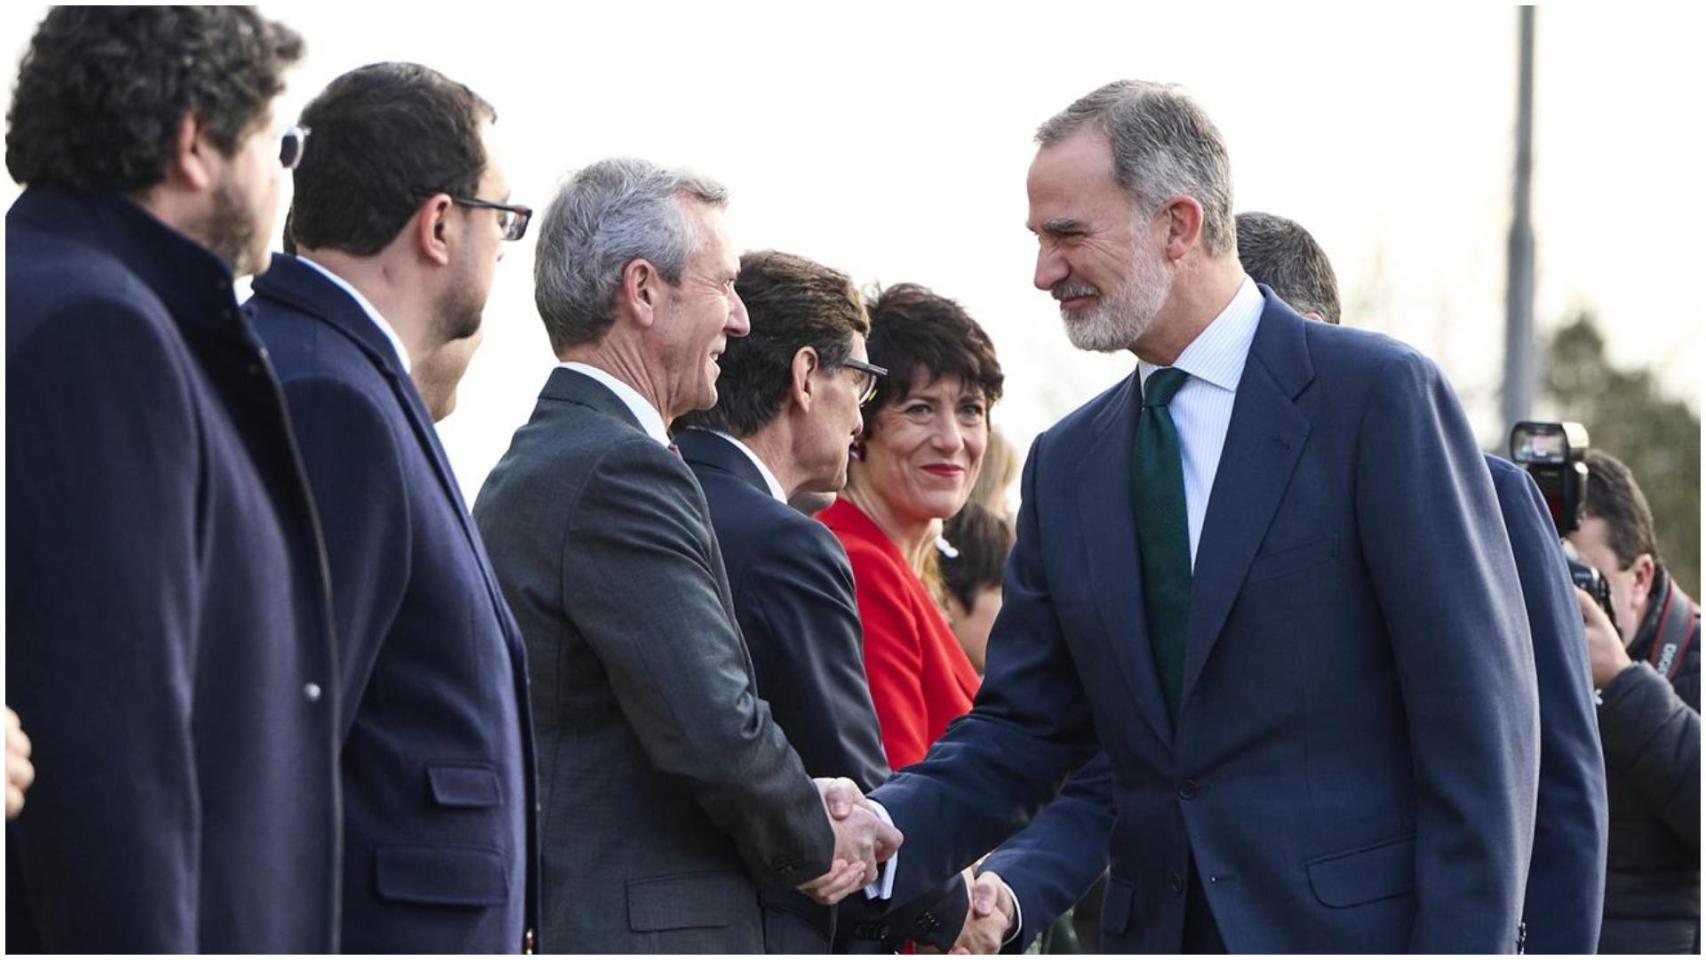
x=707, y=449
x=1104, y=491
x=302, y=288
x=1263, y=444
x=572, y=386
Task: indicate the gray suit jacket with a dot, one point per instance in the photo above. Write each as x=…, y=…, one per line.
x=670, y=794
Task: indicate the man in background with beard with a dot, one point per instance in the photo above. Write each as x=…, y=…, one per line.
x=168, y=634
x=399, y=219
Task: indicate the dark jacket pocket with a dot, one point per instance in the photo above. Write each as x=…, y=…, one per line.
x=714, y=899
x=1288, y=560
x=447, y=876
x=1366, y=874
x=463, y=785
x=1116, y=905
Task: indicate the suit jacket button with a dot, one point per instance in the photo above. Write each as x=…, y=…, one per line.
x=1175, y=883
x=1188, y=790
x=312, y=692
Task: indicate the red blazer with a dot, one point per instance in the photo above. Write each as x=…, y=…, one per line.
x=920, y=677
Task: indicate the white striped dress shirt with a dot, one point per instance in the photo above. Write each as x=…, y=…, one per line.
x=1202, y=409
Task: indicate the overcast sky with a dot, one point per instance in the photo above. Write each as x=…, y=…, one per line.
x=891, y=141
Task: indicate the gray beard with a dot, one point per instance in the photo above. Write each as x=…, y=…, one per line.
x=1120, y=318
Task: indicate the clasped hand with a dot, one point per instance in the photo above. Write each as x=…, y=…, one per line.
x=862, y=841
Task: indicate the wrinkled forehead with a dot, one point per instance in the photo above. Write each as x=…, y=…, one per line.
x=1068, y=176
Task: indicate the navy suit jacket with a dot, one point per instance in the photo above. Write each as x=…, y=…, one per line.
x=168, y=634
x=1566, y=879
x=793, y=591
x=1051, y=863
x=1354, y=767
x=437, y=745
x=793, y=595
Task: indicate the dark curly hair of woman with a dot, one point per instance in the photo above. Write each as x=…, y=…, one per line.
x=102, y=90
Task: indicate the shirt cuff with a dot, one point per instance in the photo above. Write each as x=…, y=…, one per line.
x=1018, y=916
x=884, y=887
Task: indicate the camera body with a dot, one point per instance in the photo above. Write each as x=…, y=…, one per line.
x=1552, y=455
x=1590, y=580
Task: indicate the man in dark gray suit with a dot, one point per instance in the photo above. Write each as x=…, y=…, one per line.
x=670, y=794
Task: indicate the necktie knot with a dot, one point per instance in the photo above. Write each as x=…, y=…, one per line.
x=1158, y=390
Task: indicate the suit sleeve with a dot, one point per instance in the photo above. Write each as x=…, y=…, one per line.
x=1652, y=738
x=1566, y=877
x=1443, y=575
x=355, y=470
x=640, y=580
x=893, y=661
x=1029, y=729
x=102, y=604
x=1055, y=860
x=799, y=592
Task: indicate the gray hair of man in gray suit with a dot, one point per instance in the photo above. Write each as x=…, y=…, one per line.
x=604, y=217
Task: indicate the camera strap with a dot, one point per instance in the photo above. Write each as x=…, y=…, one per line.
x=1678, y=628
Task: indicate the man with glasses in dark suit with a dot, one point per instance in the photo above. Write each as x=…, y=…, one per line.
x=787, y=413
x=400, y=215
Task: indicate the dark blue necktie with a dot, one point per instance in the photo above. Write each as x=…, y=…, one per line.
x=1163, y=534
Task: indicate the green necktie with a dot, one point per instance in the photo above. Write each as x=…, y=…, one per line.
x=1163, y=536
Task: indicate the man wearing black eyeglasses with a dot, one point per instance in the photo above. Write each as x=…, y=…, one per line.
x=787, y=411
x=168, y=634
x=399, y=218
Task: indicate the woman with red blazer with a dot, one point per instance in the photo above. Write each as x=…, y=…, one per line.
x=924, y=436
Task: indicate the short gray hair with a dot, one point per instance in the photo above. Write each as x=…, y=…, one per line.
x=606, y=216
x=1164, y=146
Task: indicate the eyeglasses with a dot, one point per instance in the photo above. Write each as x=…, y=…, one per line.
x=291, y=147
x=512, y=217
x=865, y=377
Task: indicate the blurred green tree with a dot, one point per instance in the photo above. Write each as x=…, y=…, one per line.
x=1628, y=417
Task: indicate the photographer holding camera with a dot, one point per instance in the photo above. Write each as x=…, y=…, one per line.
x=1649, y=720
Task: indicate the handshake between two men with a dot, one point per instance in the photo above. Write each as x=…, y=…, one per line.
x=863, y=840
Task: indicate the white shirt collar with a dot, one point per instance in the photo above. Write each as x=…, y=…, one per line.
x=650, y=420
x=367, y=308
x=1218, y=354
x=769, y=478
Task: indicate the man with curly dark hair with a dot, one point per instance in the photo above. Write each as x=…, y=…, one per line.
x=169, y=642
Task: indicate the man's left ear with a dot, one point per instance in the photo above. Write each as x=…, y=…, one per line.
x=1184, y=226
x=1645, y=569
x=431, y=227
x=801, y=389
